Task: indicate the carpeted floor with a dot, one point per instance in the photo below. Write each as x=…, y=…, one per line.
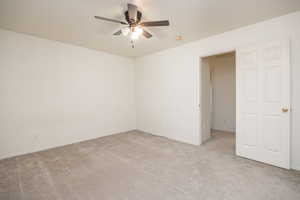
x=139, y=166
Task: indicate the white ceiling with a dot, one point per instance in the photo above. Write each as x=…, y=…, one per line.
x=72, y=21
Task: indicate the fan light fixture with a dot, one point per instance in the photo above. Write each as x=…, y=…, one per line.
x=138, y=30
x=136, y=33
x=134, y=26
x=134, y=36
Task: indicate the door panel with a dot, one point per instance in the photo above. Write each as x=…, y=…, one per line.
x=249, y=129
x=272, y=82
x=272, y=133
x=263, y=127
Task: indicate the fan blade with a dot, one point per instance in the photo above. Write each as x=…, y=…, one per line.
x=118, y=32
x=132, y=12
x=147, y=34
x=110, y=20
x=156, y=23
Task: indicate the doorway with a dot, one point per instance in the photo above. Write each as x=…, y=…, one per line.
x=218, y=97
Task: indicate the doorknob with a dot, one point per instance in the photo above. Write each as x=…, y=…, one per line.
x=284, y=110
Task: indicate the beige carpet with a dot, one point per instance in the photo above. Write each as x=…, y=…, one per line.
x=139, y=166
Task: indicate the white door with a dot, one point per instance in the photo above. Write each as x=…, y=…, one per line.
x=263, y=103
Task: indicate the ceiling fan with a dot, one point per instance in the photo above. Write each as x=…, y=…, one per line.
x=134, y=27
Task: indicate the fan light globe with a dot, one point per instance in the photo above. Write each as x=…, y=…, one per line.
x=134, y=35
x=138, y=30
x=125, y=31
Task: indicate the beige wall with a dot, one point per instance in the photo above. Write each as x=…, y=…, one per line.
x=223, y=92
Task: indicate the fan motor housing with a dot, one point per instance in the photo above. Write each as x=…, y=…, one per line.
x=138, y=18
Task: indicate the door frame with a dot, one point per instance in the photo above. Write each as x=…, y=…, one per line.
x=199, y=84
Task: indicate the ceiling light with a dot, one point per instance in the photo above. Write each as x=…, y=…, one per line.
x=178, y=37
x=134, y=35
x=138, y=30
